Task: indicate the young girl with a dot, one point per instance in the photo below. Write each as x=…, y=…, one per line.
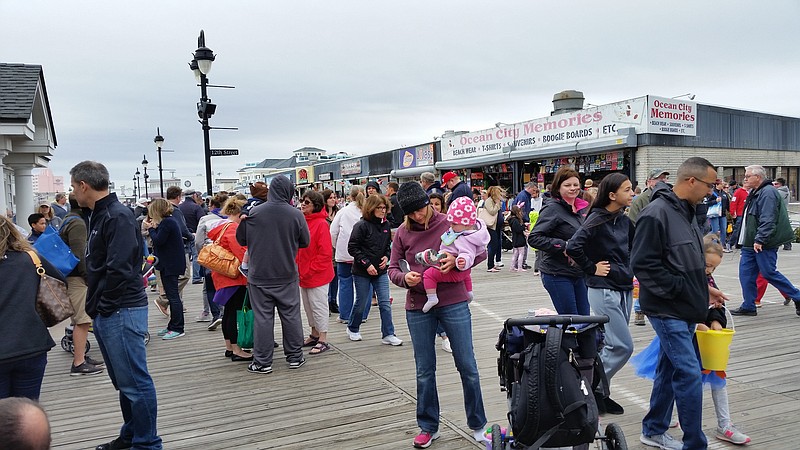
x=601, y=247
x=645, y=362
x=466, y=238
x=518, y=238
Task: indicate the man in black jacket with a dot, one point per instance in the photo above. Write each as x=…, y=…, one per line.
x=667, y=259
x=117, y=303
x=396, y=216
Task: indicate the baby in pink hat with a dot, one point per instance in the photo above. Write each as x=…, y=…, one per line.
x=466, y=238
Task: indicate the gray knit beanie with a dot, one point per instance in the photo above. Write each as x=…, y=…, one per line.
x=412, y=197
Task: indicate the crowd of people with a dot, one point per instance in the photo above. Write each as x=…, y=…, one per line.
x=588, y=241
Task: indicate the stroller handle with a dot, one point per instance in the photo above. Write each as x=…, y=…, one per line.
x=555, y=320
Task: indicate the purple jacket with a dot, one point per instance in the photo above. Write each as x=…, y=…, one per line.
x=407, y=243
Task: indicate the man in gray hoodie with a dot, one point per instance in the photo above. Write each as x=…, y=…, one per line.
x=273, y=232
x=780, y=185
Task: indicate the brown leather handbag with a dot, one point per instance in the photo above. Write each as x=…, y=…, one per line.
x=219, y=259
x=52, y=301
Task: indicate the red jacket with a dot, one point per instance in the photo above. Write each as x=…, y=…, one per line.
x=315, y=262
x=737, y=202
x=228, y=241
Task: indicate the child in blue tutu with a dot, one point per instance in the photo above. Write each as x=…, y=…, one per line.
x=646, y=361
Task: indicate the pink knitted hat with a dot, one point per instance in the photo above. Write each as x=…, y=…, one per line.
x=462, y=211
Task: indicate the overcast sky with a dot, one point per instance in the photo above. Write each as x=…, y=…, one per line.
x=368, y=76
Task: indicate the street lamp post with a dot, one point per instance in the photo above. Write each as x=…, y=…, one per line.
x=138, y=186
x=201, y=65
x=159, y=140
x=144, y=164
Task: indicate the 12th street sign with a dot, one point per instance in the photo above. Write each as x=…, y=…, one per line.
x=224, y=151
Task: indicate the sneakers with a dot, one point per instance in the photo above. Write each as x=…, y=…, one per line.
x=493, y=270
x=525, y=266
x=638, y=319
x=786, y=301
x=428, y=258
x=743, y=312
x=164, y=310
x=205, y=317
x=479, y=435
x=214, y=324
x=758, y=303
x=172, y=335
x=161, y=333
x=255, y=367
x=87, y=369
x=498, y=264
x=425, y=439
x=446, y=346
x=353, y=336
x=662, y=441
x=536, y=273
x=731, y=434
x=392, y=340
x=297, y=364
x=116, y=444
x=243, y=270
x=93, y=361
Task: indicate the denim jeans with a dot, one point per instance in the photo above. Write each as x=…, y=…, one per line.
x=344, y=271
x=568, y=294
x=23, y=377
x=197, y=271
x=364, y=288
x=719, y=225
x=678, y=380
x=456, y=320
x=618, y=341
x=333, y=287
x=493, y=249
x=170, y=285
x=764, y=262
x=120, y=337
x=210, y=292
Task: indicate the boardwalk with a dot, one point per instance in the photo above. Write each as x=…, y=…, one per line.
x=362, y=394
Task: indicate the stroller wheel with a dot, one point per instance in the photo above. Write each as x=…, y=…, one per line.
x=146, y=337
x=66, y=344
x=615, y=437
x=497, y=437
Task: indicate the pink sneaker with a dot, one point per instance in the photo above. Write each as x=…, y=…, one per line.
x=425, y=439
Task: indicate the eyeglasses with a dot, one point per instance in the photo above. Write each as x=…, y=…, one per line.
x=709, y=185
x=746, y=176
x=306, y=201
x=381, y=207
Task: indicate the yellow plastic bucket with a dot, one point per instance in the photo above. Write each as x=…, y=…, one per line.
x=715, y=348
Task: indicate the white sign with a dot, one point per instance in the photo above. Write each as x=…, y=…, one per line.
x=671, y=116
x=583, y=125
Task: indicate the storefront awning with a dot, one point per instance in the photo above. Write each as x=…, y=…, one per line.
x=626, y=138
x=411, y=171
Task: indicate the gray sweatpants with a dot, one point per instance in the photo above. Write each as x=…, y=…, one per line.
x=618, y=341
x=264, y=300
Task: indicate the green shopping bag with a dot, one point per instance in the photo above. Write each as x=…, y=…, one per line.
x=244, y=324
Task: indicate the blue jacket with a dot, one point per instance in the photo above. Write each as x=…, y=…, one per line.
x=168, y=247
x=766, y=220
x=524, y=197
x=459, y=190
x=114, y=254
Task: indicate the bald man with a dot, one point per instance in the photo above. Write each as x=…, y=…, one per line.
x=25, y=425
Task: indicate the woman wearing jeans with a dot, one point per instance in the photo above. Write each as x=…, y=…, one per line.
x=370, y=244
x=559, y=219
x=168, y=247
x=341, y=227
x=422, y=230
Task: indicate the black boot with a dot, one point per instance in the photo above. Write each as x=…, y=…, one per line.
x=613, y=407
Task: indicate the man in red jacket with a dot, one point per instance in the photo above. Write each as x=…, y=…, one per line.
x=738, y=198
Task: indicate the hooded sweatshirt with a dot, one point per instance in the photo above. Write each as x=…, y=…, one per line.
x=667, y=259
x=407, y=243
x=341, y=227
x=273, y=233
x=314, y=262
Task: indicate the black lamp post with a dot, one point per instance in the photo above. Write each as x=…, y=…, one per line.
x=144, y=164
x=137, y=185
x=159, y=140
x=201, y=65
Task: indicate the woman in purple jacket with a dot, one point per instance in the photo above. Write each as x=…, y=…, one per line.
x=422, y=229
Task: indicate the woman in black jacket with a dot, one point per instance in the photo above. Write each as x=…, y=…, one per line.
x=559, y=219
x=26, y=341
x=168, y=247
x=370, y=246
x=601, y=248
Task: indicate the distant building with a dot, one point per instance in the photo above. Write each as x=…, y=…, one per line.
x=306, y=156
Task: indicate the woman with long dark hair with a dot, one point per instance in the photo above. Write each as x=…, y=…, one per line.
x=332, y=207
x=558, y=220
x=601, y=248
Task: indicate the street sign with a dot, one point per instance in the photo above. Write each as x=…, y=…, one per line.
x=224, y=151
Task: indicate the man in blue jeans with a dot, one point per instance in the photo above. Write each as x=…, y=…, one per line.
x=667, y=259
x=765, y=227
x=117, y=303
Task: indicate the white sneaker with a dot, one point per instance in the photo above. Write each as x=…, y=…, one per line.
x=498, y=264
x=353, y=336
x=391, y=340
x=479, y=436
x=446, y=346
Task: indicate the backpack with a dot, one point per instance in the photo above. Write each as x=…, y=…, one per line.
x=552, y=403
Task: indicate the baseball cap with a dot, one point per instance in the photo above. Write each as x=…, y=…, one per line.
x=655, y=173
x=448, y=176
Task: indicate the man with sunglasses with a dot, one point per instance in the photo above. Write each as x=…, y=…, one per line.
x=667, y=258
x=765, y=227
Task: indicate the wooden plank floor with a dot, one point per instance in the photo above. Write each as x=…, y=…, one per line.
x=362, y=394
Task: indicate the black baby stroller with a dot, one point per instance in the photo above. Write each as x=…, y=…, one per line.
x=546, y=366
